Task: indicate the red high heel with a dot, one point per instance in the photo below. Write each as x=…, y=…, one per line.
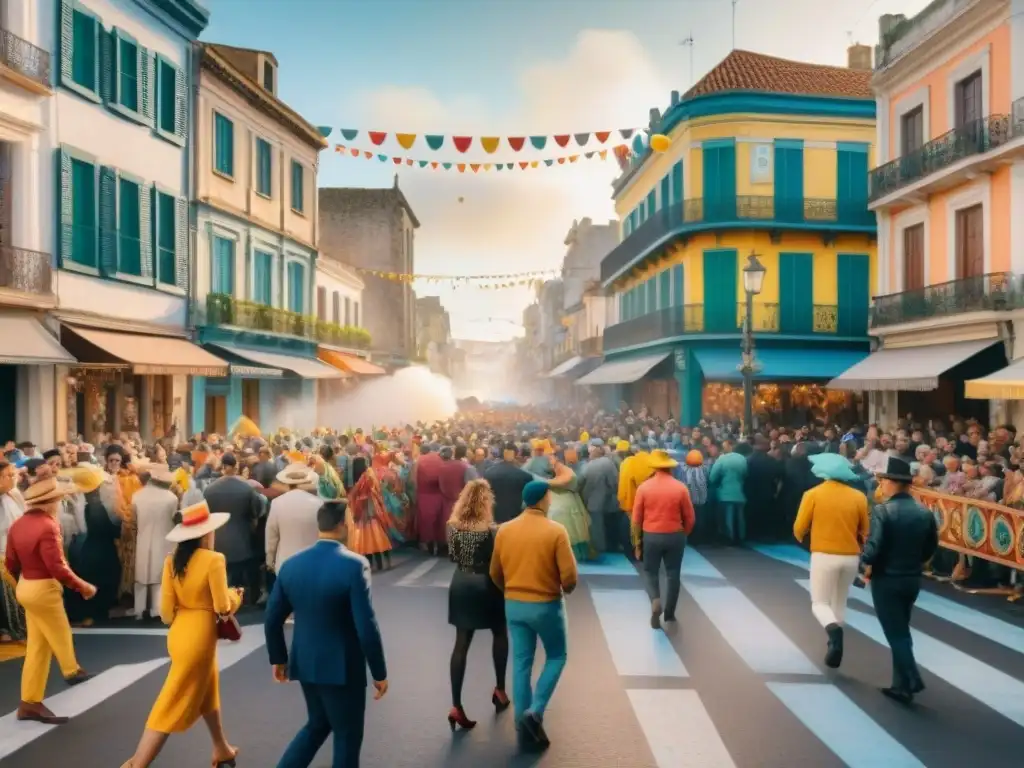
x=456, y=716
x=500, y=700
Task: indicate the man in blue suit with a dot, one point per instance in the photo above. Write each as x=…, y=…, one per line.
x=327, y=588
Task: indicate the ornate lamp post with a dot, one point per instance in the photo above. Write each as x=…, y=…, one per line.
x=753, y=280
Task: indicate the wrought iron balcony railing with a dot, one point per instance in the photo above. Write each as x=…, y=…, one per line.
x=222, y=309
x=24, y=58
x=765, y=210
x=974, y=138
x=993, y=292
x=26, y=271
x=695, y=319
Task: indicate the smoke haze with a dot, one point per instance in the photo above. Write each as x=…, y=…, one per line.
x=409, y=395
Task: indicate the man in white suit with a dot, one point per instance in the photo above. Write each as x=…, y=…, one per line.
x=154, y=506
x=291, y=524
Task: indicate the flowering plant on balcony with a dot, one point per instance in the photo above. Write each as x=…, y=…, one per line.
x=224, y=309
x=343, y=335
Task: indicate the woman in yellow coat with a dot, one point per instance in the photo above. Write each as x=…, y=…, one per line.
x=194, y=592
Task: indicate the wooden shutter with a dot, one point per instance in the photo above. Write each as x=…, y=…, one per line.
x=146, y=230
x=143, y=83
x=67, y=42
x=181, y=243
x=108, y=66
x=109, y=180
x=913, y=258
x=180, y=104
x=970, y=242
x=65, y=215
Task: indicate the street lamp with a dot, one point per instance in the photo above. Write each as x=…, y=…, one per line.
x=753, y=281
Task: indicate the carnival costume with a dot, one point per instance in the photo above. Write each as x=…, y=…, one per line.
x=395, y=499
x=370, y=520
x=567, y=507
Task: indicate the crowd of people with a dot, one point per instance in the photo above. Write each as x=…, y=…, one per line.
x=515, y=498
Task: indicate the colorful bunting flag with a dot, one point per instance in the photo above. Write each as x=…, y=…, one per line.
x=434, y=142
x=377, y=137
x=539, y=142
x=349, y=133
x=405, y=140
x=562, y=140
x=490, y=144
x=582, y=138
x=516, y=142
x=622, y=153
x=462, y=143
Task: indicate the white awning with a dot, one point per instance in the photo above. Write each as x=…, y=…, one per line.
x=305, y=367
x=24, y=341
x=912, y=369
x=564, y=368
x=623, y=371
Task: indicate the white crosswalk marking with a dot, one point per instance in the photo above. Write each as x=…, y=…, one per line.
x=417, y=573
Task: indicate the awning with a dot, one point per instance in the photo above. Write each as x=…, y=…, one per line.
x=349, y=363
x=27, y=342
x=304, y=367
x=242, y=368
x=723, y=365
x=1005, y=384
x=563, y=368
x=914, y=369
x=145, y=355
x=624, y=371
x=583, y=367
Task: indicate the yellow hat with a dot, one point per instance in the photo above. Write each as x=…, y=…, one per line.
x=87, y=478
x=296, y=457
x=659, y=459
x=622, y=445
x=584, y=436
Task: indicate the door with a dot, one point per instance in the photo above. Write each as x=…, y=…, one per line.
x=852, y=185
x=854, y=293
x=796, y=292
x=720, y=278
x=216, y=414
x=970, y=243
x=251, y=399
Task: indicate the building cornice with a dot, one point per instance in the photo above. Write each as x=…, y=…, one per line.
x=190, y=14
x=340, y=271
x=221, y=207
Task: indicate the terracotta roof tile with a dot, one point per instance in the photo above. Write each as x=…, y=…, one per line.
x=748, y=71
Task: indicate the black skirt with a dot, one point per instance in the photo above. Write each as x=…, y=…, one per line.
x=474, y=602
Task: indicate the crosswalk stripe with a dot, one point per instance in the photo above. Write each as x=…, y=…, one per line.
x=695, y=564
x=679, y=730
x=607, y=565
x=843, y=727
x=755, y=638
x=417, y=573
x=636, y=649
x=993, y=688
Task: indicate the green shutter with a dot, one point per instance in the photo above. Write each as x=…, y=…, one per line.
x=108, y=66
x=720, y=275
x=181, y=241
x=853, y=277
x=67, y=44
x=65, y=215
x=678, y=293
x=852, y=185
x=796, y=293
x=180, y=104
x=109, y=179
x=677, y=183
x=664, y=288
x=666, y=192
x=712, y=183
x=146, y=230
x=789, y=181
x=145, y=78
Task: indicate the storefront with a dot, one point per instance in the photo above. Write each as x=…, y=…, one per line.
x=565, y=375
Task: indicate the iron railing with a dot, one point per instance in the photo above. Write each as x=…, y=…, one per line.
x=222, y=309
x=766, y=210
x=993, y=292
x=974, y=138
x=26, y=271
x=24, y=58
x=768, y=318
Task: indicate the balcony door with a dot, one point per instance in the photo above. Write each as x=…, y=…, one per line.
x=854, y=284
x=796, y=292
x=721, y=273
x=970, y=243
x=968, y=106
x=5, y=189
x=913, y=294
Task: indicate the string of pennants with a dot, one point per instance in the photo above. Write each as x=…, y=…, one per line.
x=489, y=144
x=621, y=152
x=481, y=282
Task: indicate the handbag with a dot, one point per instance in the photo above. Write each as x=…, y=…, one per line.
x=228, y=628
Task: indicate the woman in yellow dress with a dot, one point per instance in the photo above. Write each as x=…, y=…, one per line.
x=193, y=594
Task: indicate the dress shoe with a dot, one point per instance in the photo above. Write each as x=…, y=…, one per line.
x=834, y=653
x=656, y=614
x=900, y=695
x=80, y=676
x=36, y=712
x=533, y=730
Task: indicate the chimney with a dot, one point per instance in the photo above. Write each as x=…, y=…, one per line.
x=859, y=57
x=887, y=22
x=675, y=98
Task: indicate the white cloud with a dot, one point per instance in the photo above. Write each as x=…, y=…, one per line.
x=516, y=220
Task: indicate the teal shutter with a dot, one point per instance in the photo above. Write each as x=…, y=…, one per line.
x=145, y=80
x=720, y=275
x=627, y=230
x=664, y=289
x=108, y=220
x=65, y=216
x=296, y=286
x=223, y=266
x=789, y=181
x=181, y=243
x=262, y=282
x=298, y=187
x=163, y=239
x=146, y=230
x=796, y=292
x=108, y=66
x=677, y=183
x=623, y=314
x=652, y=203
x=129, y=247
x=263, y=167
x=67, y=44
x=666, y=192
x=852, y=184
x=180, y=104
x=719, y=181
x=854, y=294
x=678, y=292
x=652, y=295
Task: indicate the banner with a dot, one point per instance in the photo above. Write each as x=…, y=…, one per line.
x=482, y=282
x=619, y=151
x=489, y=144
x=978, y=528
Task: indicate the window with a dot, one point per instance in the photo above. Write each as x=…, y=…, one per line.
x=298, y=195
x=355, y=313
x=264, y=166
x=262, y=278
x=223, y=145
x=296, y=287
x=83, y=222
x=321, y=303
x=913, y=258
x=164, y=239
x=82, y=57
x=912, y=131
x=336, y=307
x=968, y=97
x=348, y=311
x=268, y=75
x=168, y=101
x=970, y=242
x=129, y=240
x=223, y=266
x=127, y=59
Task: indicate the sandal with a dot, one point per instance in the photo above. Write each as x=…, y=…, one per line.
x=224, y=762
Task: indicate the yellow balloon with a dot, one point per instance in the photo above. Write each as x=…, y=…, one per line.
x=660, y=142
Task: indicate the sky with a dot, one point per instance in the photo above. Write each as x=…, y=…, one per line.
x=510, y=68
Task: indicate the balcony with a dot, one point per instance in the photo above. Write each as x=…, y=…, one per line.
x=995, y=292
x=27, y=275
x=697, y=319
x=592, y=347
x=743, y=211
x=222, y=309
x=959, y=153
x=24, y=63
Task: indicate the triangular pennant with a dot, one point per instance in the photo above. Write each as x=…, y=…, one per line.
x=423, y=163
x=433, y=165
x=446, y=166
x=434, y=142
x=582, y=138
x=461, y=167
x=499, y=167
x=489, y=143
x=405, y=140
x=625, y=132
x=355, y=152
x=524, y=166
x=339, y=148
x=588, y=155
x=573, y=158
x=561, y=161
x=534, y=164
x=382, y=158
x=378, y=137
x=602, y=136
x=487, y=166
x=549, y=163
x=603, y=154
x=538, y=141
x=349, y=133
x=475, y=167
x=516, y=142
x=462, y=143
x=562, y=140
x=368, y=155
x=409, y=161
x=398, y=160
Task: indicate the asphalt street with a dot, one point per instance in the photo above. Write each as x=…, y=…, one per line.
x=739, y=681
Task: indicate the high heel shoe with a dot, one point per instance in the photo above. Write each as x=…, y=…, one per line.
x=228, y=762
x=500, y=700
x=457, y=716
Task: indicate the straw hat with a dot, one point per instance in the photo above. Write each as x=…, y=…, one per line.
x=85, y=477
x=46, y=488
x=297, y=474
x=159, y=472
x=196, y=522
x=659, y=459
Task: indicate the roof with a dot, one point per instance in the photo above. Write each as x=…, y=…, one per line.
x=749, y=71
x=347, y=197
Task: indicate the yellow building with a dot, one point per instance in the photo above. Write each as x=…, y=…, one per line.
x=767, y=156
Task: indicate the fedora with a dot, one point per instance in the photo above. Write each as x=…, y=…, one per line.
x=297, y=474
x=659, y=459
x=46, y=488
x=897, y=470
x=197, y=521
x=159, y=472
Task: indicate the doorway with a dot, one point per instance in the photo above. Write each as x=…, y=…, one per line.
x=216, y=414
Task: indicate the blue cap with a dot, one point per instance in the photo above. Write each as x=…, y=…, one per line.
x=534, y=491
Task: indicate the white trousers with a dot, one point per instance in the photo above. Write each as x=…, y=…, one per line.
x=147, y=596
x=831, y=579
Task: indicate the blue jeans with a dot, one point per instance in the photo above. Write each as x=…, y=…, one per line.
x=526, y=623
x=733, y=521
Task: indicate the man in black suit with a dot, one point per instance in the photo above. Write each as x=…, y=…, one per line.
x=230, y=493
x=507, y=480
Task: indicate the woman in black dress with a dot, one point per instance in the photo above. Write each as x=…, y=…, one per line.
x=474, y=602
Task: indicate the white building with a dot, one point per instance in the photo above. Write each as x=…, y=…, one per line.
x=339, y=294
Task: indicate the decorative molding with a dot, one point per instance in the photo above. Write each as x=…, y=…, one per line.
x=980, y=61
x=901, y=222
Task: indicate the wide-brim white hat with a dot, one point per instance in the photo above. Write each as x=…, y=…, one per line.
x=159, y=472
x=196, y=521
x=297, y=474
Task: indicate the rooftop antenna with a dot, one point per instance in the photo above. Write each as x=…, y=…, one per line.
x=688, y=42
x=734, y=2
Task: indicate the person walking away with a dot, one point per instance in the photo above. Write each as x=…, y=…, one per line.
x=902, y=538
x=632, y=472
x=727, y=479
x=663, y=517
x=763, y=482
x=451, y=480
x=507, y=480
x=231, y=494
x=194, y=593
x=598, y=487
x=430, y=517
x=534, y=567
x=474, y=602
x=153, y=507
x=35, y=557
x=695, y=477
x=291, y=524
x=327, y=587
x=12, y=506
x=836, y=516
